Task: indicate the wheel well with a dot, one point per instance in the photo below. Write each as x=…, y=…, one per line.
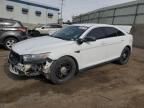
x=9, y=37
x=128, y=47
x=77, y=66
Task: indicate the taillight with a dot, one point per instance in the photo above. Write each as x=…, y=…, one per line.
x=22, y=29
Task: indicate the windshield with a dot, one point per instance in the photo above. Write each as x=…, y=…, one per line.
x=70, y=32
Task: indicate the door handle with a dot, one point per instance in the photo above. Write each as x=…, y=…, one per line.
x=78, y=51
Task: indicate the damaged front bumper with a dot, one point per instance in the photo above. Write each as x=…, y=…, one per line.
x=29, y=69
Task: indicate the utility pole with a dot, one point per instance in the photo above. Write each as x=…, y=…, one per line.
x=62, y=3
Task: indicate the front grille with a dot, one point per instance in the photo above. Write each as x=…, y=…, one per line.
x=14, y=57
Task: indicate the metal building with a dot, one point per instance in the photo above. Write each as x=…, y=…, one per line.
x=29, y=13
x=128, y=13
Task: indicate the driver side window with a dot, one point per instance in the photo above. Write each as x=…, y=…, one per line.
x=98, y=33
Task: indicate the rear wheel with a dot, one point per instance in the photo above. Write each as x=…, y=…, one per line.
x=9, y=42
x=124, y=58
x=62, y=70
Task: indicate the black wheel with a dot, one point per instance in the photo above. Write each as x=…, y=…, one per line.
x=9, y=42
x=62, y=70
x=124, y=58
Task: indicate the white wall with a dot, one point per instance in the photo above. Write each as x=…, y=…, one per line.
x=29, y=18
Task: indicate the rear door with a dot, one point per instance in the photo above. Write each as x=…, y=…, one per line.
x=113, y=42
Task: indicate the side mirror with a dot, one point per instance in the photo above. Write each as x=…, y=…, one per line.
x=79, y=41
x=90, y=38
x=87, y=39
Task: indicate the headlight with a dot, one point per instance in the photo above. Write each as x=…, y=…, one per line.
x=34, y=57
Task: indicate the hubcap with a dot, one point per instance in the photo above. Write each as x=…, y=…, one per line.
x=10, y=43
x=64, y=70
x=125, y=56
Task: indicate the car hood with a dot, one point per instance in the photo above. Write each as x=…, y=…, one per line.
x=39, y=45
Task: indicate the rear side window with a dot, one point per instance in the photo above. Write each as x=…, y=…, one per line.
x=105, y=32
x=113, y=32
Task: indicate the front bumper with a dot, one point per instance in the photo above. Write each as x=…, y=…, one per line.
x=29, y=69
x=18, y=67
x=13, y=69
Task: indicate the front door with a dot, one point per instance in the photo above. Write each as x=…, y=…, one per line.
x=93, y=52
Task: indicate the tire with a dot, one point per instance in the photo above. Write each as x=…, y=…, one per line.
x=36, y=33
x=125, y=55
x=9, y=42
x=62, y=70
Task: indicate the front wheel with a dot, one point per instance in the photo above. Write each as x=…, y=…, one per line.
x=62, y=70
x=124, y=58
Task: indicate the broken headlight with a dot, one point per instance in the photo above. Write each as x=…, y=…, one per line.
x=35, y=58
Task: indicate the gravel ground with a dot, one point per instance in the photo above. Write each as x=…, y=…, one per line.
x=106, y=86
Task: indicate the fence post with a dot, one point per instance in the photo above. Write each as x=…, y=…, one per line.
x=113, y=16
x=99, y=17
x=136, y=13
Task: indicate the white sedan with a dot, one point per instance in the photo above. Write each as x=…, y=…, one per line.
x=70, y=50
x=48, y=29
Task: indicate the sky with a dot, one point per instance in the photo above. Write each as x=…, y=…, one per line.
x=76, y=7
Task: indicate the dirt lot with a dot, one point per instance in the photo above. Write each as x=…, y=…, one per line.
x=106, y=86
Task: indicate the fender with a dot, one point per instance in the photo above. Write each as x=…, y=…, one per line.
x=56, y=56
x=73, y=55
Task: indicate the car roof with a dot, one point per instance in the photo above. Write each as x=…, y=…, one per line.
x=124, y=28
x=52, y=24
x=94, y=25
